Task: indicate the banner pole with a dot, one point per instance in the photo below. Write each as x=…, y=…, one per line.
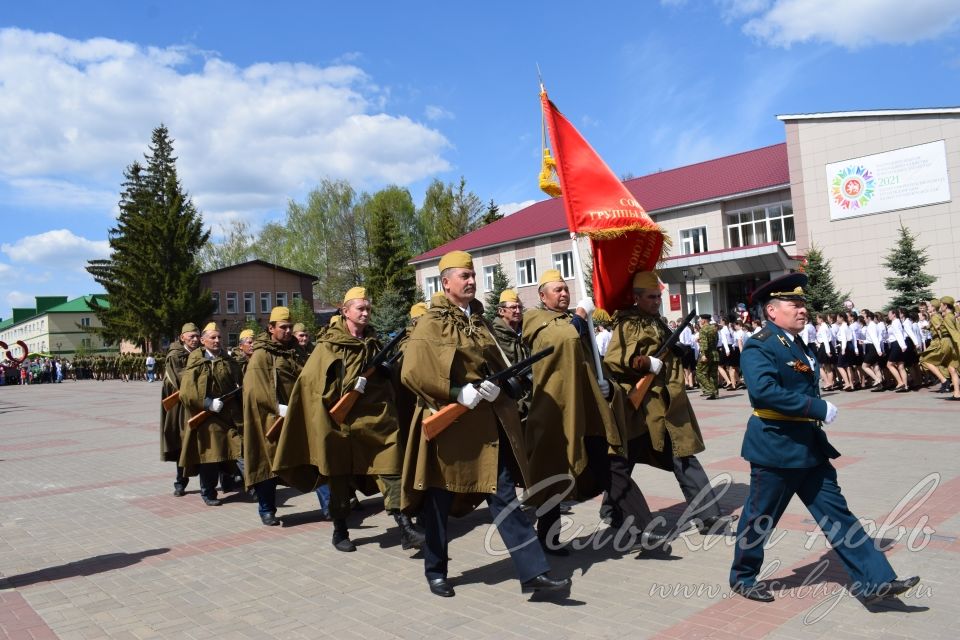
x=578, y=268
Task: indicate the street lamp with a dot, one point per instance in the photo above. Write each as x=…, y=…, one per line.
x=693, y=274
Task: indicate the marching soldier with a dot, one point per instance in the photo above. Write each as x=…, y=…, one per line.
x=952, y=338
x=244, y=349
x=271, y=373
x=172, y=422
x=208, y=377
x=708, y=364
x=365, y=447
x=508, y=326
x=482, y=453
x=665, y=412
x=303, y=337
x=789, y=453
x=571, y=429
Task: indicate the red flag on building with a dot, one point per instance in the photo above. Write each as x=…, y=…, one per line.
x=623, y=238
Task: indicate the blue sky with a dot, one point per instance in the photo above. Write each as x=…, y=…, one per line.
x=266, y=99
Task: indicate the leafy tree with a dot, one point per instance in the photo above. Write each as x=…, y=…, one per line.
x=253, y=325
x=237, y=247
x=389, y=268
x=447, y=213
x=302, y=312
x=906, y=261
x=391, y=312
x=492, y=215
x=822, y=294
x=500, y=283
x=152, y=275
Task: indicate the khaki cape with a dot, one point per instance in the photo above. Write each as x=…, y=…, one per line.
x=218, y=439
x=312, y=446
x=665, y=410
x=172, y=422
x=446, y=351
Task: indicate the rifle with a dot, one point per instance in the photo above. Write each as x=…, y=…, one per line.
x=171, y=400
x=273, y=431
x=340, y=410
x=639, y=390
x=435, y=424
x=201, y=417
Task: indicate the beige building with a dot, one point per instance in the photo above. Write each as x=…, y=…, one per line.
x=55, y=326
x=842, y=182
x=246, y=293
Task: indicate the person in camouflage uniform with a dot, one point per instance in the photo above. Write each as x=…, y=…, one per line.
x=709, y=359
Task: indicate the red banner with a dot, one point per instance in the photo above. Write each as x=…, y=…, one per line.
x=623, y=238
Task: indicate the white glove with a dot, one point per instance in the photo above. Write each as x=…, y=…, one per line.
x=488, y=391
x=361, y=384
x=216, y=405
x=282, y=410
x=655, y=365
x=587, y=305
x=604, y=388
x=469, y=396
x=831, y=413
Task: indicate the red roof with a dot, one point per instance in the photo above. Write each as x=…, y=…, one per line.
x=722, y=177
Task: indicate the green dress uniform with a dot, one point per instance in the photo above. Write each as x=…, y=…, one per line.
x=707, y=371
x=665, y=414
x=218, y=439
x=172, y=422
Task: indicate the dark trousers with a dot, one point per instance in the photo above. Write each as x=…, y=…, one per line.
x=770, y=492
x=515, y=529
x=624, y=494
x=182, y=480
x=266, y=496
x=209, y=476
x=693, y=480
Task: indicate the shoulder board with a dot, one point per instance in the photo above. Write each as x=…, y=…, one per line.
x=763, y=334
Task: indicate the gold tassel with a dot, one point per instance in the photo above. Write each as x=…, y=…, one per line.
x=548, y=175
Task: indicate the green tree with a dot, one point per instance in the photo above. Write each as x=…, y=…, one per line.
x=152, y=275
x=500, y=283
x=492, y=214
x=822, y=294
x=391, y=312
x=302, y=312
x=236, y=247
x=910, y=284
x=447, y=212
x=389, y=268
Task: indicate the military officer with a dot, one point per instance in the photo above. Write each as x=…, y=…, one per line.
x=271, y=373
x=789, y=453
x=708, y=364
x=217, y=441
x=314, y=448
x=665, y=415
x=172, y=422
x=482, y=453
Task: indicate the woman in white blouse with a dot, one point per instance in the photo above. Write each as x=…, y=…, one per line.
x=825, y=351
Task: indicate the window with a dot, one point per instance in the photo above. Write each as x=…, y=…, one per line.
x=248, y=305
x=432, y=285
x=771, y=223
x=563, y=262
x=281, y=298
x=296, y=295
x=85, y=342
x=231, y=302
x=488, y=278
x=693, y=241
x=84, y=322
x=216, y=302
x=526, y=272
x=265, y=302
x=233, y=339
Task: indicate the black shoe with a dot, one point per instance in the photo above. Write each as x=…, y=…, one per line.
x=179, y=490
x=713, y=397
x=441, y=587
x=653, y=543
x=758, y=592
x=877, y=389
x=544, y=583
x=341, y=537
x=716, y=525
x=410, y=538
x=270, y=520
x=901, y=390
x=211, y=502
x=945, y=387
x=892, y=589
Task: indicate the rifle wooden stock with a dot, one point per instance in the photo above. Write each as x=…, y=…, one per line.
x=273, y=432
x=340, y=410
x=435, y=425
x=639, y=390
x=170, y=401
x=198, y=419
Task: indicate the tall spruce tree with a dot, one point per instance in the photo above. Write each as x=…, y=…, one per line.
x=822, y=294
x=389, y=251
x=910, y=284
x=500, y=283
x=492, y=214
x=152, y=277
x=390, y=312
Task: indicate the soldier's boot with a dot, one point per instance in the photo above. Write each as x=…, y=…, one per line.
x=410, y=538
x=341, y=536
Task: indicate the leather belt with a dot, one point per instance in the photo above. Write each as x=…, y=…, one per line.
x=770, y=414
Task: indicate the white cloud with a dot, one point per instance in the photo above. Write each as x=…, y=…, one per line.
x=59, y=248
x=433, y=112
x=76, y=113
x=850, y=24
x=19, y=299
x=512, y=207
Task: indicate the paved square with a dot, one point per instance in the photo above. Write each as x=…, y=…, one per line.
x=94, y=545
